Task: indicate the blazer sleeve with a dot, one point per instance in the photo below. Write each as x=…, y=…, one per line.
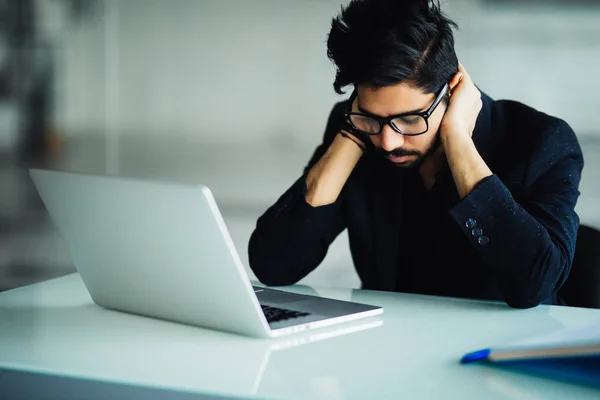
x=292, y=237
x=528, y=245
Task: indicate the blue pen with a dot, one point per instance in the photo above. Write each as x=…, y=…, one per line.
x=480, y=355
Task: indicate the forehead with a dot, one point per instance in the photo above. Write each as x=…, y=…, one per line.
x=391, y=100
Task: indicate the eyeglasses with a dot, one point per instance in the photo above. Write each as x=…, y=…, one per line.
x=405, y=124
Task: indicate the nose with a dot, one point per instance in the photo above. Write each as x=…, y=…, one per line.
x=390, y=139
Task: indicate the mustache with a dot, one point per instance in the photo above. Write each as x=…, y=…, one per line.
x=399, y=152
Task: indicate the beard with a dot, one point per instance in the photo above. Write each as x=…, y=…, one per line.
x=420, y=156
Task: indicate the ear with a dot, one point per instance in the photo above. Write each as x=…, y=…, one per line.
x=454, y=81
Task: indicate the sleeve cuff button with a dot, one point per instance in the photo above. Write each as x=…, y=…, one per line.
x=483, y=240
x=471, y=223
x=477, y=232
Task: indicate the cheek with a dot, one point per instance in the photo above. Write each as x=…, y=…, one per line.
x=421, y=142
x=424, y=141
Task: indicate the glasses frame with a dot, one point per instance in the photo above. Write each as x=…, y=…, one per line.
x=388, y=120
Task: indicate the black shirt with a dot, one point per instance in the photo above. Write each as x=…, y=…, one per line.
x=420, y=268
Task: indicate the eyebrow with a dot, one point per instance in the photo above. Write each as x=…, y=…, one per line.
x=417, y=111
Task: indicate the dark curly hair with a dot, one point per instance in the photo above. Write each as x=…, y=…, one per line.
x=380, y=43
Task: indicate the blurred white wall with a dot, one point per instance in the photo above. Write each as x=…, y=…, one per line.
x=238, y=71
x=545, y=54
x=233, y=70
x=9, y=123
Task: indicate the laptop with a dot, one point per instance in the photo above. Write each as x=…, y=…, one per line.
x=162, y=250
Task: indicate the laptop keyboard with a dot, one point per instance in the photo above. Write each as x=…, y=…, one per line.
x=275, y=314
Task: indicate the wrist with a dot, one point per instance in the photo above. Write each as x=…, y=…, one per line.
x=361, y=139
x=348, y=136
x=466, y=164
x=327, y=177
x=450, y=136
x=347, y=145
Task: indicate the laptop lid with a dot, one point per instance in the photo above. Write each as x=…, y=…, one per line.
x=152, y=248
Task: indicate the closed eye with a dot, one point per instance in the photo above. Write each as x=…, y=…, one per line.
x=410, y=119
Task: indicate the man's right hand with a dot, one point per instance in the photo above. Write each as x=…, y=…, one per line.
x=328, y=176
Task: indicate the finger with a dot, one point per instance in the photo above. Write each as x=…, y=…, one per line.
x=466, y=75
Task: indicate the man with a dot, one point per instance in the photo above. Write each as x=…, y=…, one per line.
x=443, y=190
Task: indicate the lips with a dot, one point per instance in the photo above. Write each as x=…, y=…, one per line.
x=399, y=160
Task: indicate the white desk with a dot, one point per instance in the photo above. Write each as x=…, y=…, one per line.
x=413, y=353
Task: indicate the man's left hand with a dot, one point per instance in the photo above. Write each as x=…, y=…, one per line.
x=463, y=109
x=456, y=129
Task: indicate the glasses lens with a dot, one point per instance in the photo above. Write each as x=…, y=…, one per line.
x=411, y=124
x=365, y=124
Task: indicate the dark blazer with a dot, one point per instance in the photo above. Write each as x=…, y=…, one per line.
x=525, y=211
